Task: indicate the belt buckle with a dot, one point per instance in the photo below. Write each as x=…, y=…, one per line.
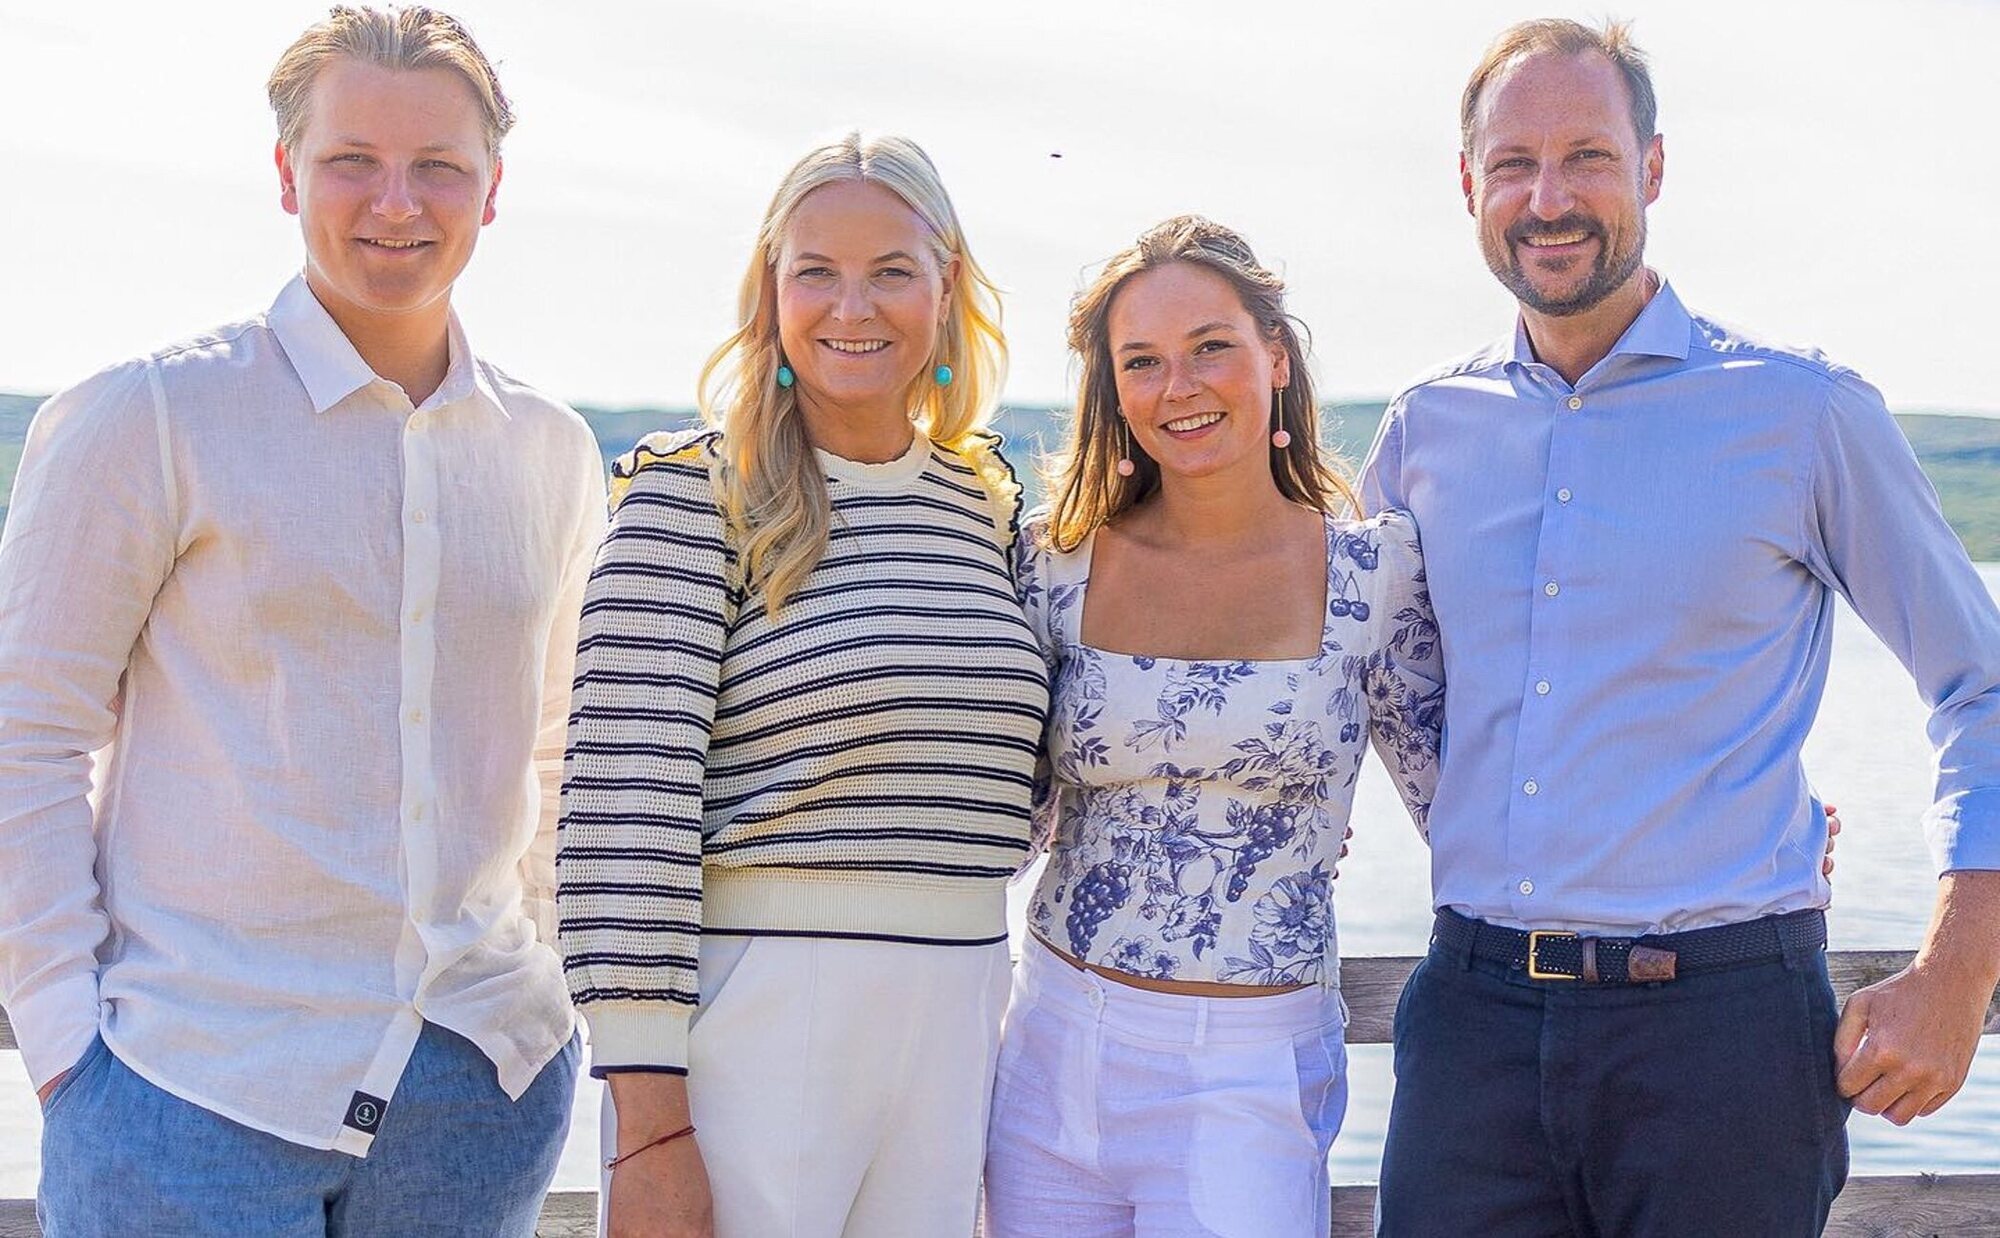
x=1535, y=971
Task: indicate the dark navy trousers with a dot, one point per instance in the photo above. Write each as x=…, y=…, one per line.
x=1702, y=1106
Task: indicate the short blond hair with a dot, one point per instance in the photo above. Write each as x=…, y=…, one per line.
x=1613, y=41
x=401, y=38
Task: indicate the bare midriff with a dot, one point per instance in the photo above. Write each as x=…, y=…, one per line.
x=1186, y=988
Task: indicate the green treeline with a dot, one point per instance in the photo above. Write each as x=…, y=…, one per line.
x=1961, y=453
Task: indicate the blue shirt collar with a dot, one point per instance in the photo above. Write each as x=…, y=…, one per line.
x=1663, y=329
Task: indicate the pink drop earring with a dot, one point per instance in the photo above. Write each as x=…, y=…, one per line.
x=1281, y=438
x=1125, y=465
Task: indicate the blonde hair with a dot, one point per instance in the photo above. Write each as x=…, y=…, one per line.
x=1613, y=41
x=403, y=38
x=1088, y=489
x=769, y=483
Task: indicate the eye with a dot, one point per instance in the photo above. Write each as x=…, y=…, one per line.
x=1592, y=153
x=1510, y=165
x=442, y=165
x=350, y=157
x=895, y=275
x=1141, y=362
x=1212, y=346
x=816, y=274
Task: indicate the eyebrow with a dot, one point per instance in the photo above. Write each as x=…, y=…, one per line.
x=1511, y=148
x=891, y=256
x=1203, y=329
x=364, y=144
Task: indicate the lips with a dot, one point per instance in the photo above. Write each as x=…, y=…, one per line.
x=856, y=348
x=395, y=245
x=1192, y=422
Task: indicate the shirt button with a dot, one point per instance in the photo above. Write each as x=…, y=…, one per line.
x=1541, y=687
x=417, y=615
x=1563, y=495
x=1552, y=588
x=1575, y=402
x=416, y=715
x=417, y=423
x=1531, y=786
x=417, y=812
x=419, y=516
x=1526, y=887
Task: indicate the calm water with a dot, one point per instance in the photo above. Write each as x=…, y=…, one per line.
x=1867, y=755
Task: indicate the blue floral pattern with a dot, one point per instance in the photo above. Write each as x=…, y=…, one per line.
x=1193, y=810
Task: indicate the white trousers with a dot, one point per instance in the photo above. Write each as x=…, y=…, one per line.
x=1118, y=1112
x=840, y=1088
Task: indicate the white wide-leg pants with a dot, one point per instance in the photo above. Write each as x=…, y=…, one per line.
x=1118, y=1112
x=840, y=1088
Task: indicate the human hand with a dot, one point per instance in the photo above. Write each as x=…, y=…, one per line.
x=1832, y=832
x=661, y=1193
x=1903, y=1046
x=48, y=1089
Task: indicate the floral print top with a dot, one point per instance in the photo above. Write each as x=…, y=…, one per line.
x=1194, y=810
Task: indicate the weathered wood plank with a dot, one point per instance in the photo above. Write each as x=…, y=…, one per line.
x=1373, y=984
x=1915, y=1206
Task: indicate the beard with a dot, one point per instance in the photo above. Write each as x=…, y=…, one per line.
x=1608, y=272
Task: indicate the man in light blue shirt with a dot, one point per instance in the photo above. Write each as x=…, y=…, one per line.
x=1635, y=523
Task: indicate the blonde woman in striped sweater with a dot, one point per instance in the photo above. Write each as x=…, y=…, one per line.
x=803, y=733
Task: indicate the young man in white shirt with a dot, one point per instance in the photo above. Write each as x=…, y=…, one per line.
x=314, y=579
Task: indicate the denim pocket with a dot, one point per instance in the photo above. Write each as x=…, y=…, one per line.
x=90, y=1057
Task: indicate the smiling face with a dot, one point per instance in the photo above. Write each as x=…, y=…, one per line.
x=1195, y=372
x=391, y=180
x=861, y=297
x=1559, y=182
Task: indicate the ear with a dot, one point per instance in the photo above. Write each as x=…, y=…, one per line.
x=1465, y=182
x=288, y=184
x=1281, y=366
x=1656, y=168
x=492, y=191
x=948, y=279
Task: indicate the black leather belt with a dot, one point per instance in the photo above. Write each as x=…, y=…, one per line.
x=1550, y=954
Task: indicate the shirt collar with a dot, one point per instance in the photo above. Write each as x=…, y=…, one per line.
x=1662, y=329
x=331, y=370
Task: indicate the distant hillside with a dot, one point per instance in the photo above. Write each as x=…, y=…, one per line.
x=1961, y=453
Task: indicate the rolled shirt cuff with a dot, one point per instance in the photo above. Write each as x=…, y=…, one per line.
x=54, y=1026
x=638, y=1036
x=1964, y=831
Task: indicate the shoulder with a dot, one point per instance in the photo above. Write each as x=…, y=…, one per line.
x=677, y=462
x=1472, y=365
x=535, y=406
x=1384, y=546
x=1752, y=353
x=980, y=458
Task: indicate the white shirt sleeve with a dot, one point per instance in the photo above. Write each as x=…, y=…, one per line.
x=90, y=540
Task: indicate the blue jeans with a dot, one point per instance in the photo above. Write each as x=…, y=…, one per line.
x=1700, y=1108
x=454, y=1156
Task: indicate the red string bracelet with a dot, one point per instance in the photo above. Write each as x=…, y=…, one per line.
x=616, y=1161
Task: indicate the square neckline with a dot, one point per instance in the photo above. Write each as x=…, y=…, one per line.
x=1087, y=549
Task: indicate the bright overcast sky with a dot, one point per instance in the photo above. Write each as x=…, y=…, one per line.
x=1830, y=173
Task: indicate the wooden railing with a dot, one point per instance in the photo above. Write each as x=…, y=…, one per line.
x=1901, y=1206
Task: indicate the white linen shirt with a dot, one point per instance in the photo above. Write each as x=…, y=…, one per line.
x=332, y=638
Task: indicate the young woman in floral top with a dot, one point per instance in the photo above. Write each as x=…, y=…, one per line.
x=1224, y=638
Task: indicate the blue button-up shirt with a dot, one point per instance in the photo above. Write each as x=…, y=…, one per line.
x=1634, y=577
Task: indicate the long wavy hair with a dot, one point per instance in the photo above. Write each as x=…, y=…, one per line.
x=769, y=484
x=1083, y=474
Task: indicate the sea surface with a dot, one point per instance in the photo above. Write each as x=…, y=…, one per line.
x=1867, y=754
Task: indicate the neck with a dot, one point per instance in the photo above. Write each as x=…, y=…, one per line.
x=1221, y=510
x=1572, y=343
x=411, y=350
x=871, y=435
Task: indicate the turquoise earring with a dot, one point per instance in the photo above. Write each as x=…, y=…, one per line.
x=785, y=377
x=943, y=375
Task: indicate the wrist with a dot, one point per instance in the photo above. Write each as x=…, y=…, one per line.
x=648, y=1106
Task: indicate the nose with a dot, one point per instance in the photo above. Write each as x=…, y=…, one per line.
x=855, y=304
x=1181, y=380
x=394, y=201
x=1550, y=197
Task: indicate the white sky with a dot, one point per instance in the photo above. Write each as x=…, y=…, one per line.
x=1830, y=170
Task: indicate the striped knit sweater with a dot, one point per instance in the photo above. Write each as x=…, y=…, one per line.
x=859, y=766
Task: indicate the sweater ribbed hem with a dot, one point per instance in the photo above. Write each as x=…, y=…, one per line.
x=853, y=904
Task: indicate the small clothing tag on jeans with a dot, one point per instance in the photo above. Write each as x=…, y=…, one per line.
x=364, y=1112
